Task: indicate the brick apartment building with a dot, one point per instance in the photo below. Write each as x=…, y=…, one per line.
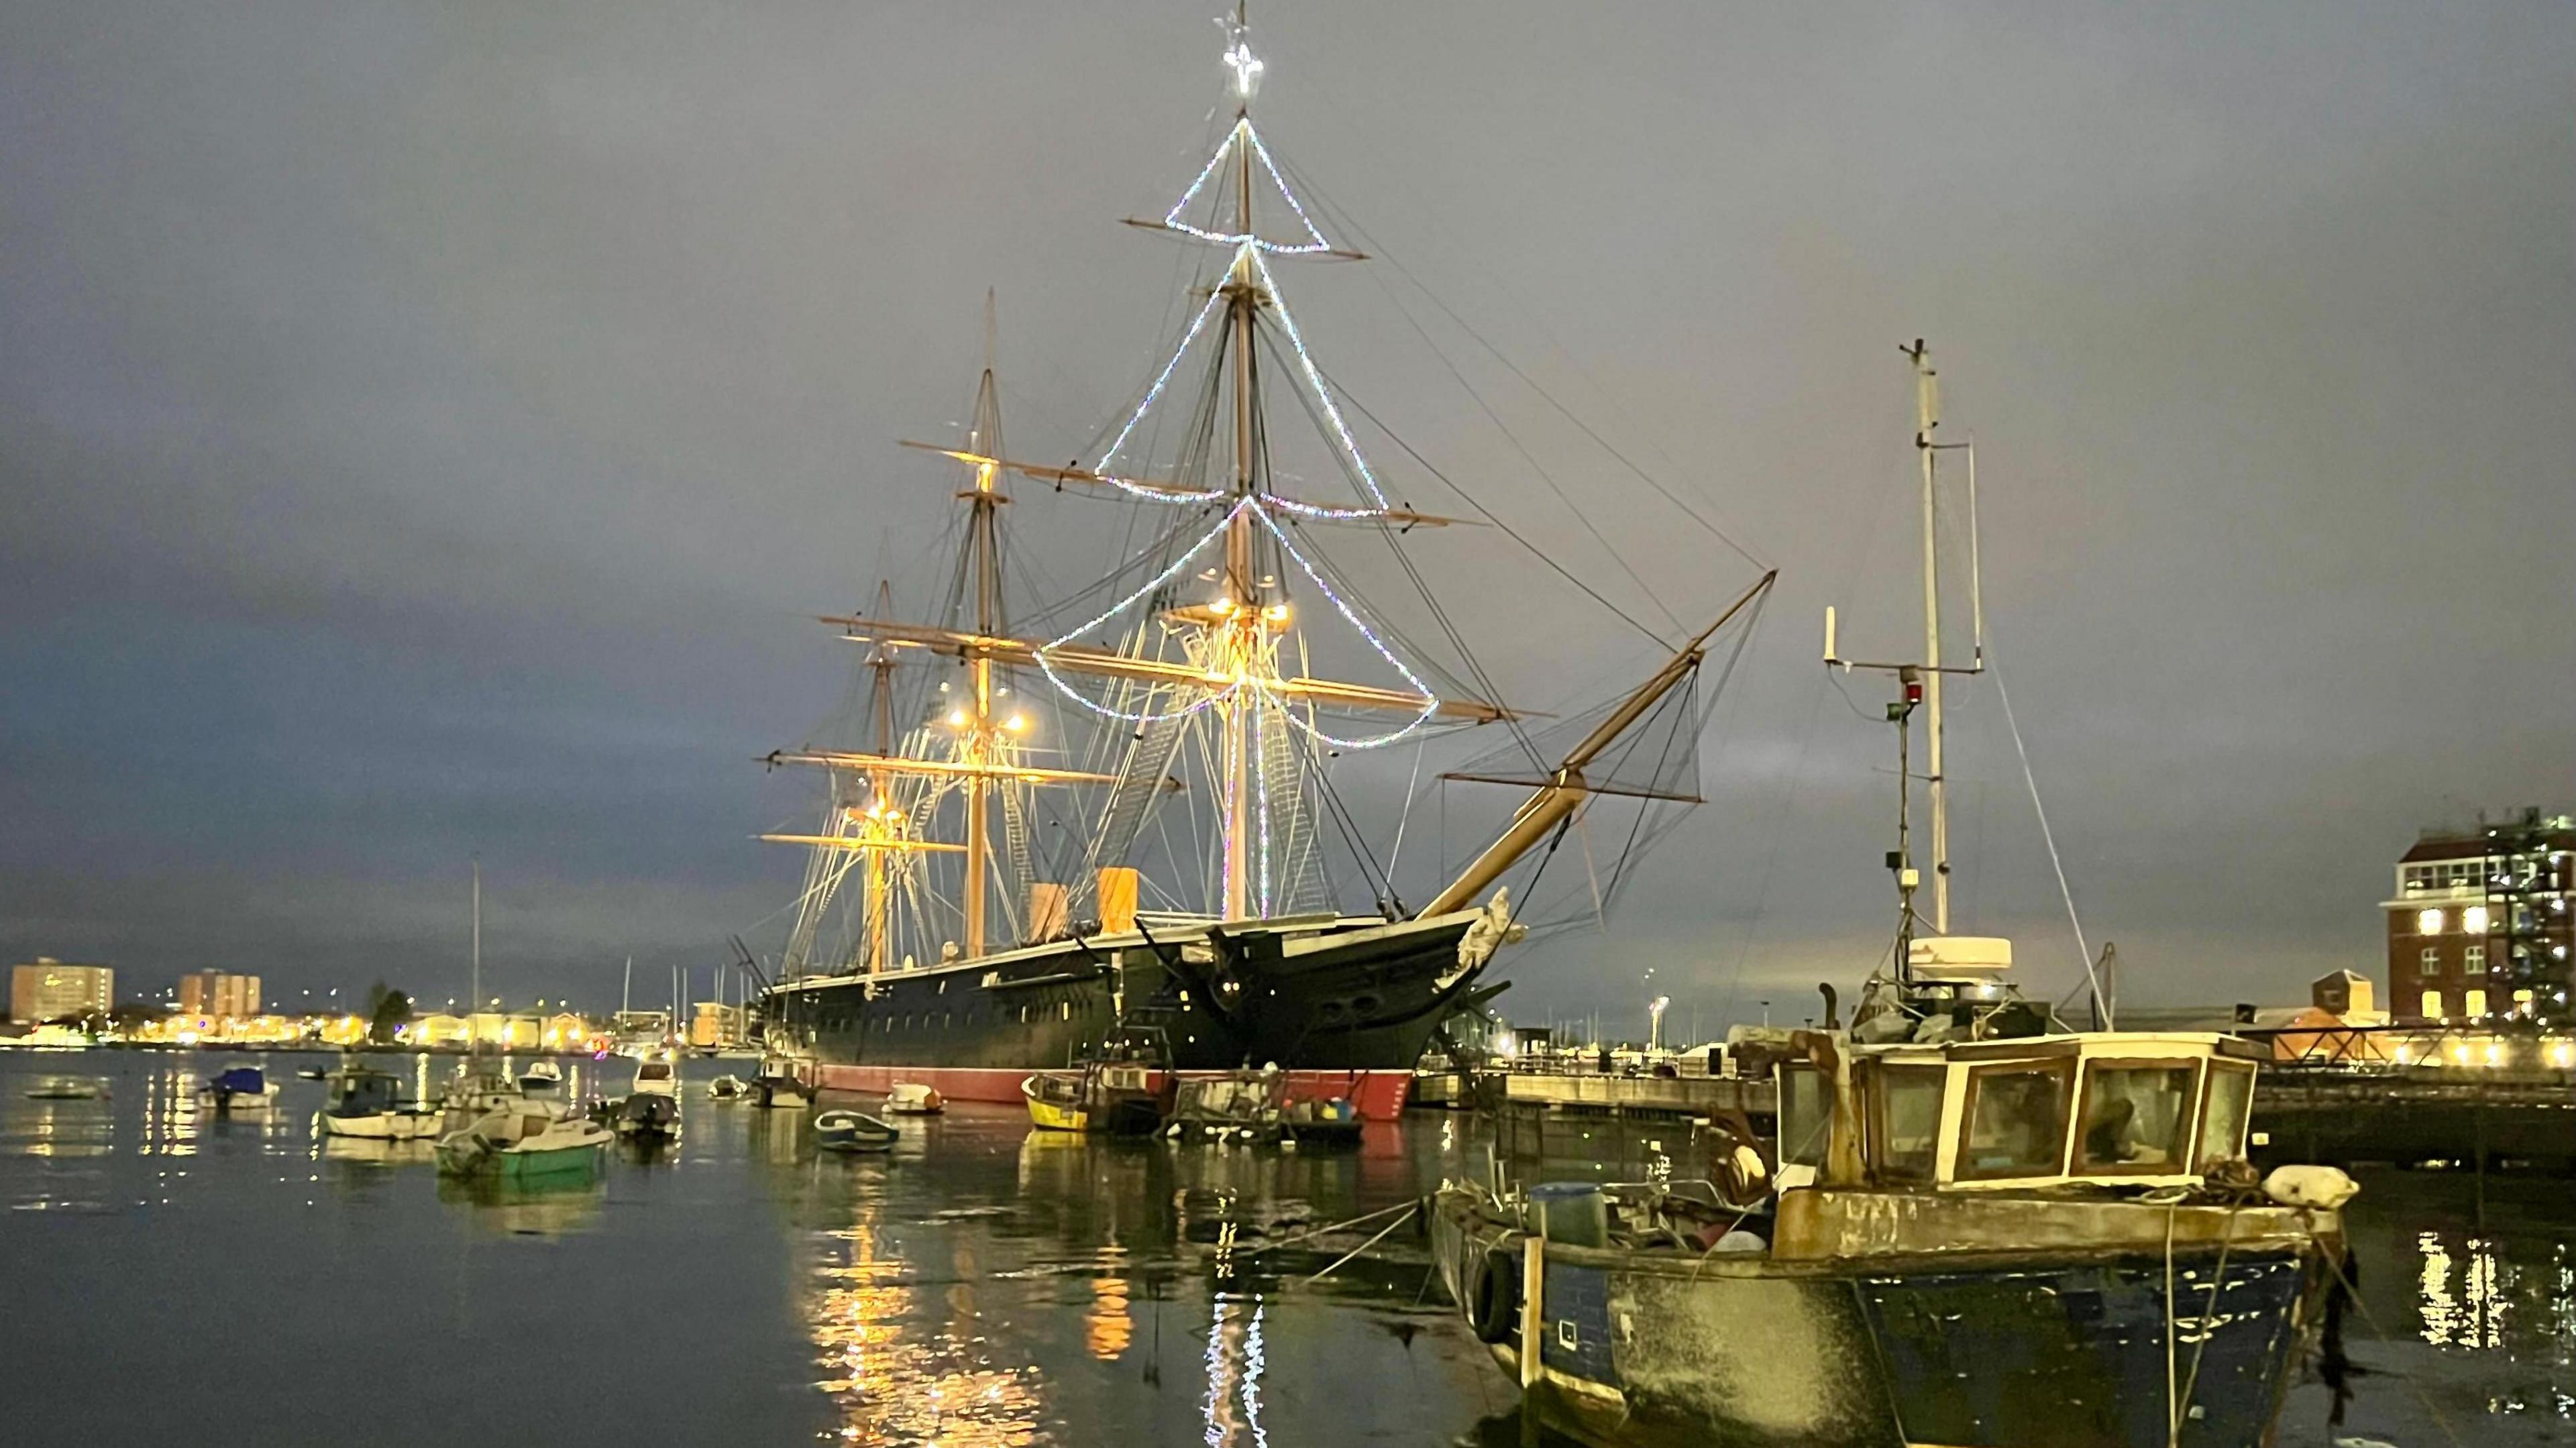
x=2480, y=929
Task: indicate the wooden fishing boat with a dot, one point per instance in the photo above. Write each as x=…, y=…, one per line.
x=1242, y=1106
x=1119, y=1098
x=2050, y=1240
x=1056, y=1102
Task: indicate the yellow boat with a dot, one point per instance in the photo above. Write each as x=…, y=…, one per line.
x=1055, y=1103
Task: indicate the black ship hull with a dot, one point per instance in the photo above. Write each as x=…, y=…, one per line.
x=1343, y=1006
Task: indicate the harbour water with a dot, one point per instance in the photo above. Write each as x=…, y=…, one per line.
x=170, y=1273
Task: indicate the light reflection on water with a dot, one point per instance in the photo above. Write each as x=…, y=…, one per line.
x=2506, y=1299
x=896, y=1379
x=1234, y=1367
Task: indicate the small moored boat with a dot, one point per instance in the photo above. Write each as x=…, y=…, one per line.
x=240, y=1088
x=911, y=1098
x=1122, y=1098
x=1055, y=1102
x=474, y=1093
x=522, y=1141
x=63, y=1090
x=1246, y=1106
x=727, y=1087
x=367, y=1104
x=1333, y=1121
x=651, y=1112
x=776, y=1086
x=852, y=1131
x=541, y=1078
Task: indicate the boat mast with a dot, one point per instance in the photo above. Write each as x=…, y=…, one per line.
x=475, y=1003
x=881, y=667
x=975, y=737
x=1241, y=610
x=1927, y=416
x=1920, y=683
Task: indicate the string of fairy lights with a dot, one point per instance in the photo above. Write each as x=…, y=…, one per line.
x=1244, y=134
x=1249, y=682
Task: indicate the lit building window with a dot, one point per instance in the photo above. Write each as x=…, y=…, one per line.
x=2473, y=1003
x=2428, y=922
x=2522, y=1003
x=2474, y=920
x=2433, y=1005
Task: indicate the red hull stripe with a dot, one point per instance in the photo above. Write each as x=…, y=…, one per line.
x=1379, y=1095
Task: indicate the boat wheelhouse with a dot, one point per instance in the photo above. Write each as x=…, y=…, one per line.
x=2125, y=1109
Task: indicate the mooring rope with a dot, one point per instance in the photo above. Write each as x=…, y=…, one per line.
x=1328, y=1230
x=1364, y=1246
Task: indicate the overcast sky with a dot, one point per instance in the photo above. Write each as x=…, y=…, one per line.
x=429, y=430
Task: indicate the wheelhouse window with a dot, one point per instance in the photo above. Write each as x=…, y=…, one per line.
x=1806, y=1110
x=2136, y=1117
x=1905, y=1121
x=2222, y=1122
x=2016, y=1120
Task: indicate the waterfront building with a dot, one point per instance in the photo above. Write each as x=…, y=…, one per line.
x=715, y=1023
x=507, y=1030
x=2480, y=929
x=441, y=1029
x=218, y=993
x=46, y=989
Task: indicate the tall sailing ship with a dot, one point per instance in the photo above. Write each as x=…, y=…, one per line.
x=1005, y=907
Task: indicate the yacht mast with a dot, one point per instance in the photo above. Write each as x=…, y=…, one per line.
x=476, y=1002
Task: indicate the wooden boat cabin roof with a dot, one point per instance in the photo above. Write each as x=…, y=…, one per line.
x=2099, y=1109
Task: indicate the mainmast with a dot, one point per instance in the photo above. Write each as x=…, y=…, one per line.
x=975, y=734
x=1240, y=628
